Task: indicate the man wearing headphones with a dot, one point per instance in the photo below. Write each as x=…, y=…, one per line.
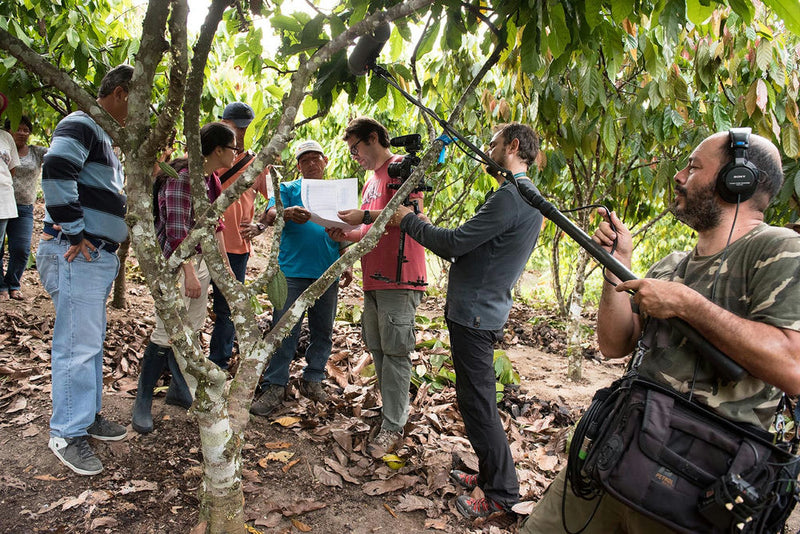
x=737, y=288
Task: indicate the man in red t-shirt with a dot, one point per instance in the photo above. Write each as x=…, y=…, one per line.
x=390, y=303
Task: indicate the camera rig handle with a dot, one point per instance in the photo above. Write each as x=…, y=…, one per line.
x=724, y=365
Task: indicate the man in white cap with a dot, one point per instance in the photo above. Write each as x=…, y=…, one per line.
x=240, y=228
x=306, y=252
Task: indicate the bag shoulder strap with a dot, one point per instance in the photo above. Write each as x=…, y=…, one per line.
x=245, y=160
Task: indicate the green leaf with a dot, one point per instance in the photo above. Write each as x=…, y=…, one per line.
x=559, y=37
x=72, y=37
x=609, y=134
x=593, y=13
x=744, y=8
x=283, y=22
x=437, y=361
x=722, y=121
x=789, y=11
x=763, y=54
x=698, y=12
x=621, y=9
x=590, y=85
x=277, y=290
x=790, y=140
x=426, y=43
x=309, y=106
x=530, y=58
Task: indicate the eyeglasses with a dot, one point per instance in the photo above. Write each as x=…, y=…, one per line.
x=236, y=150
x=354, y=148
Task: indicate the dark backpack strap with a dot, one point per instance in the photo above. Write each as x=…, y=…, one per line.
x=245, y=160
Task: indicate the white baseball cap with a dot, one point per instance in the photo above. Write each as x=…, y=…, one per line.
x=308, y=146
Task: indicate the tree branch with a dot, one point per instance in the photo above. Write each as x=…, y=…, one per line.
x=41, y=68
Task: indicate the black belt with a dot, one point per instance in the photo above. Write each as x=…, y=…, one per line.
x=100, y=244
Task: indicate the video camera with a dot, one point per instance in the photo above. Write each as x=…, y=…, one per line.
x=402, y=169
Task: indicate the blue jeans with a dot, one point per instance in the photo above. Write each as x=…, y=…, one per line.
x=320, y=324
x=19, y=232
x=79, y=290
x=221, y=346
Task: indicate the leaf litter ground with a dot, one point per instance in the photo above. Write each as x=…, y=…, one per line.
x=306, y=467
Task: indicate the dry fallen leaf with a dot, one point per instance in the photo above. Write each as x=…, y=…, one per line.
x=409, y=503
x=287, y=420
x=20, y=404
x=280, y=456
x=107, y=521
x=137, y=486
x=271, y=520
x=76, y=501
x=302, y=506
x=436, y=524
x=379, y=487
x=299, y=525
x=326, y=477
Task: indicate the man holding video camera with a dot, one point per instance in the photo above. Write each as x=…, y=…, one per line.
x=737, y=287
x=489, y=253
x=389, y=304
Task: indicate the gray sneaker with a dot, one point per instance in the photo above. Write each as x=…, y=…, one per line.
x=76, y=454
x=313, y=390
x=385, y=442
x=270, y=399
x=106, y=430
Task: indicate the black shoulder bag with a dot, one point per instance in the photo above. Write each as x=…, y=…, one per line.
x=679, y=463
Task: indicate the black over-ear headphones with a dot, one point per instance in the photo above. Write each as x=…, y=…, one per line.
x=737, y=181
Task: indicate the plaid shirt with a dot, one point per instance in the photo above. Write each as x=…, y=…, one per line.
x=175, y=212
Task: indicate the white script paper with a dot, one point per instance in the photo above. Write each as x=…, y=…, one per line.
x=323, y=198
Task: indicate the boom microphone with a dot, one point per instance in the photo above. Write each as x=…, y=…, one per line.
x=367, y=50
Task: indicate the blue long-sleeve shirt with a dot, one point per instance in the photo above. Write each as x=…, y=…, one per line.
x=83, y=182
x=489, y=253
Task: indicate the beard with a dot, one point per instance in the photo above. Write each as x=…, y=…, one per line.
x=701, y=211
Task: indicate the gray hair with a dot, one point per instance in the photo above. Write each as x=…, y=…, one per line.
x=119, y=76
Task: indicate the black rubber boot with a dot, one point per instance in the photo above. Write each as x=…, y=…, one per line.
x=153, y=363
x=178, y=392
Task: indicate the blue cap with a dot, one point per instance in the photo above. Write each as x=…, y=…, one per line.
x=239, y=114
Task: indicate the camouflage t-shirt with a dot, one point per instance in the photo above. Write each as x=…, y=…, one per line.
x=758, y=281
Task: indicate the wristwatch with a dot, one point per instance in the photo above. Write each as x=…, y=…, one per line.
x=367, y=217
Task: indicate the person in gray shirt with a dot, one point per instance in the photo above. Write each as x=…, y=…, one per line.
x=489, y=253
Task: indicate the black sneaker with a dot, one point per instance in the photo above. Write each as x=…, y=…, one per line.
x=465, y=480
x=76, y=454
x=271, y=398
x=106, y=430
x=475, y=508
x=313, y=390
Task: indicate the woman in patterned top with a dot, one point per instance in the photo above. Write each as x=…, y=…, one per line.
x=26, y=177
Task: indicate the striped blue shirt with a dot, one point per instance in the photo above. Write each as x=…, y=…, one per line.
x=83, y=182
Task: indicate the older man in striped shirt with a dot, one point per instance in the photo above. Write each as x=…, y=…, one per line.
x=84, y=223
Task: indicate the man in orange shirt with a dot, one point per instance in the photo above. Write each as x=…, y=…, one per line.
x=239, y=230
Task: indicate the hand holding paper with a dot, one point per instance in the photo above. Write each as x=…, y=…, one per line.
x=324, y=198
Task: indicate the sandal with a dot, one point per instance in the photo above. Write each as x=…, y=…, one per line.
x=16, y=294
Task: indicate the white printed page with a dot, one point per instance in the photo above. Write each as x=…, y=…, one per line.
x=324, y=198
